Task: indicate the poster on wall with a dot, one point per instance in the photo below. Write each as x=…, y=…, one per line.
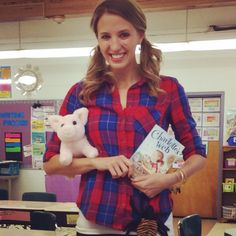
x=211, y=119
x=211, y=104
x=15, y=116
x=230, y=123
x=13, y=146
x=5, y=81
x=39, y=128
x=210, y=133
x=195, y=104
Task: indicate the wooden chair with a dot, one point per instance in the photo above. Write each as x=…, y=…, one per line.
x=42, y=220
x=190, y=225
x=39, y=196
x=4, y=194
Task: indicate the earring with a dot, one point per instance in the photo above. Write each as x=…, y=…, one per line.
x=138, y=54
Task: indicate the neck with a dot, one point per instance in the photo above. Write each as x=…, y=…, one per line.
x=126, y=78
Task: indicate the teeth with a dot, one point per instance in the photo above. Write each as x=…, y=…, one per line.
x=117, y=55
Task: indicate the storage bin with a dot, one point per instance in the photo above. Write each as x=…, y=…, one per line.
x=230, y=163
x=9, y=168
x=228, y=187
x=229, y=212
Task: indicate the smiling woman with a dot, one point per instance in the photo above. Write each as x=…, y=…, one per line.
x=125, y=99
x=28, y=80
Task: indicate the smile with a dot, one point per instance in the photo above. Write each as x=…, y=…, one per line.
x=117, y=56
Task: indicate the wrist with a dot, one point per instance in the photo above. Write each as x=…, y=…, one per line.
x=174, y=178
x=181, y=175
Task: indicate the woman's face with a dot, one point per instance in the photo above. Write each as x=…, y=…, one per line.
x=117, y=39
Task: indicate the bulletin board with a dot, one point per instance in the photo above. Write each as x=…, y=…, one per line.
x=16, y=128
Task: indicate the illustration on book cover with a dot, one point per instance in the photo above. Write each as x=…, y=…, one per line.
x=157, y=153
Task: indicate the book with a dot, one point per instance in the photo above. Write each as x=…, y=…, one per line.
x=158, y=152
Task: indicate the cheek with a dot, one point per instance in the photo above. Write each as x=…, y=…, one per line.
x=103, y=47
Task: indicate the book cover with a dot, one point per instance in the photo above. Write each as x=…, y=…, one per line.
x=157, y=153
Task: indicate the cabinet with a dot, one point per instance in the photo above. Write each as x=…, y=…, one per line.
x=200, y=189
x=228, y=183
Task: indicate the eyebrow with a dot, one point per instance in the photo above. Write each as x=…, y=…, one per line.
x=121, y=31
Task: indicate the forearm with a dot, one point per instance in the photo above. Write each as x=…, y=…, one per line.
x=77, y=167
x=118, y=166
x=191, y=166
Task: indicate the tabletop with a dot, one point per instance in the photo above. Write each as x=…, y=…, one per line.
x=22, y=232
x=35, y=205
x=221, y=228
x=6, y=177
x=18, y=212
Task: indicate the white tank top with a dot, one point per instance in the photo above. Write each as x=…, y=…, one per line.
x=84, y=226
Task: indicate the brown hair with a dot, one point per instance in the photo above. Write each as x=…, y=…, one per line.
x=98, y=72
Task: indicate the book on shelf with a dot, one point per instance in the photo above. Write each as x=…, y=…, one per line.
x=158, y=153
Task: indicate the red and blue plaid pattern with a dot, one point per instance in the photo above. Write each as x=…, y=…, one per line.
x=117, y=131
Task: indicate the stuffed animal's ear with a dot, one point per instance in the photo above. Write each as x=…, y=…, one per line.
x=54, y=120
x=82, y=114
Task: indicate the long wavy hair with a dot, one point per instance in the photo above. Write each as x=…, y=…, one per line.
x=99, y=73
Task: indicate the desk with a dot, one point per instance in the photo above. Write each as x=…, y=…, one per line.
x=220, y=228
x=21, y=232
x=9, y=179
x=18, y=212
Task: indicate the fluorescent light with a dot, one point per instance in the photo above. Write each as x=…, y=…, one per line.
x=46, y=53
x=225, y=44
x=57, y=52
x=172, y=47
x=206, y=45
x=213, y=45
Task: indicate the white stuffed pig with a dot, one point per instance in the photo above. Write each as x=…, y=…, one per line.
x=71, y=131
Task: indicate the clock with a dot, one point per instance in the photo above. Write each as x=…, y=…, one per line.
x=28, y=80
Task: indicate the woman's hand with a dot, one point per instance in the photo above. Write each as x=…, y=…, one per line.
x=118, y=166
x=153, y=184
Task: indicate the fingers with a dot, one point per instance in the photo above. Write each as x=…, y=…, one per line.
x=119, y=166
x=118, y=170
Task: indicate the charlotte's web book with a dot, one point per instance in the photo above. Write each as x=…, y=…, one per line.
x=157, y=153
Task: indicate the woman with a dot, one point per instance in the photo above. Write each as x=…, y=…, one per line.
x=125, y=100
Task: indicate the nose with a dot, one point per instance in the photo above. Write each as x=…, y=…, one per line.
x=114, y=43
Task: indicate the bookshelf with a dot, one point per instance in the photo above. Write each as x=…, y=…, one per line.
x=227, y=183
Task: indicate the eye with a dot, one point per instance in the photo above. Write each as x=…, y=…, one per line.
x=62, y=125
x=74, y=122
x=105, y=36
x=124, y=35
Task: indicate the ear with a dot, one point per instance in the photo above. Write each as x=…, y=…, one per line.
x=141, y=37
x=82, y=114
x=54, y=120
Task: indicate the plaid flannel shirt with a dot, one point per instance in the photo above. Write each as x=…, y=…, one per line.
x=117, y=131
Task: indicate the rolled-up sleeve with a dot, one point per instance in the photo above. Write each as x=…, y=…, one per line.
x=183, y=123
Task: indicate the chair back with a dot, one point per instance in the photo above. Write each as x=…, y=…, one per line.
x=39, y=196
x=42, y=220
x=190, y=225
x=4, y=194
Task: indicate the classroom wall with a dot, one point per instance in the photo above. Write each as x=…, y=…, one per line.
x=197, y=71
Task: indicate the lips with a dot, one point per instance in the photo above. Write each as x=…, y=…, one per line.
x=117, y=57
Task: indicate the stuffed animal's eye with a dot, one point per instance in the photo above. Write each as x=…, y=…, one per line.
x=62, y=125
x=74, y=122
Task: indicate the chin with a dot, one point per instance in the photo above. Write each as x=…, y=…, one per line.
x=118, y=65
